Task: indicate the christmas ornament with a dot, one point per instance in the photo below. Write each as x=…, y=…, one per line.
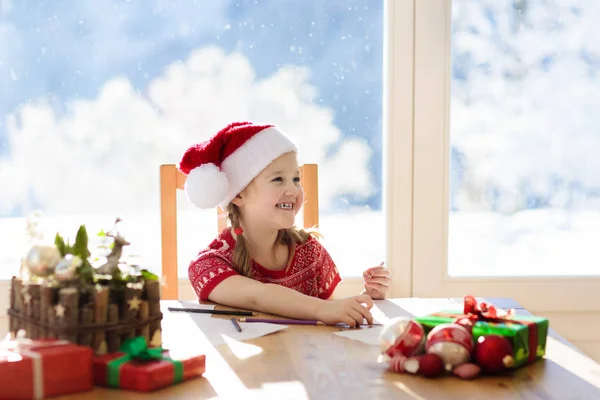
x=452, y=342
x=42, y=259
x=429, y=365
x=467, y=371
x=402, y=335
x=397, y=363
x=66, y=269
x=494, y=353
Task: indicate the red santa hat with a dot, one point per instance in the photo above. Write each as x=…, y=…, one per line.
x=220, y=168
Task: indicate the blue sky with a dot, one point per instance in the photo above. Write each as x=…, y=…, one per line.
x=59, y=51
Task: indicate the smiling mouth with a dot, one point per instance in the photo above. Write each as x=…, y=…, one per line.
x=285, y=206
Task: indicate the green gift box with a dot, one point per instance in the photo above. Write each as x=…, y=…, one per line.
x=526, y=334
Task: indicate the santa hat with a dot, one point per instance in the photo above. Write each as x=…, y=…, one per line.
x=220, y=168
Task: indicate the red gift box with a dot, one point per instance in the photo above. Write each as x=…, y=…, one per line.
x=128, y=370
x=34, y=369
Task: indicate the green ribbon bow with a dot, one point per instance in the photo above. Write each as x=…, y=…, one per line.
x=137, y=349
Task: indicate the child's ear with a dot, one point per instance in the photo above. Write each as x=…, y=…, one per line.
x=238, y=200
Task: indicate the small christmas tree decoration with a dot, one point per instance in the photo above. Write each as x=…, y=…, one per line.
x=42, y=259
x=452, y=342
x=401, y=335
x=494, y=353
x=98, y=308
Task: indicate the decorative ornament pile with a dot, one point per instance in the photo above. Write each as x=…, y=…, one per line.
x=447, y=349
x=70, y=264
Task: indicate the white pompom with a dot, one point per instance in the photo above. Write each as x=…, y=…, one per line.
x=206, y=186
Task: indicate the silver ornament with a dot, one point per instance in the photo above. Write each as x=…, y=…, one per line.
x=42, y=259
x=66, y=268
x=452, y=354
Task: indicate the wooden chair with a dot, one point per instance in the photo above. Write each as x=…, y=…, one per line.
x=172, y=179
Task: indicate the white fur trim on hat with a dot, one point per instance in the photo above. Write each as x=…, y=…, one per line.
x=251, y=158
x=206, y=186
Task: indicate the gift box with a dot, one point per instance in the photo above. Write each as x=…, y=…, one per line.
x=526, y=334
x=35, y=369
x=137, y=367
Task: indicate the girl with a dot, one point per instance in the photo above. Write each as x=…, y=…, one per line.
x=264, y=262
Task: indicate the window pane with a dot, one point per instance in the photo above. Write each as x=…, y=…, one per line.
x=525, y=188
x=96, y=95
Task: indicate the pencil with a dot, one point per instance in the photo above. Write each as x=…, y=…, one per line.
x=235, y=323
x=288, y=321
x=220, y=312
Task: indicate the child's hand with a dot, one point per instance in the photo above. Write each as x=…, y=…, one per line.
x=377, y=281
x=351, y=311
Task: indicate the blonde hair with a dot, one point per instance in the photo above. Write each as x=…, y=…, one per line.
x=241, y=254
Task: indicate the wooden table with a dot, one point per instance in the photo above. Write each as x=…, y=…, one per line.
x=308, y=362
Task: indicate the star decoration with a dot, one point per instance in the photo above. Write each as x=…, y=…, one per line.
x=134, y=304
x=102, y=348
x=60, y=310
x=27, y=298
x=156, y=339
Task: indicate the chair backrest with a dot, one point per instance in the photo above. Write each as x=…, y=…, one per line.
x=172, y=179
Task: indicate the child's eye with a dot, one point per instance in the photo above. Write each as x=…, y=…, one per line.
x=278, y=179
x=297, y=179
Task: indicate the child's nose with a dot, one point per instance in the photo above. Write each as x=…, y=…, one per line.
x=291, y=189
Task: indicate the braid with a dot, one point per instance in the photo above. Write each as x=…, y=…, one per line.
x=241, y=253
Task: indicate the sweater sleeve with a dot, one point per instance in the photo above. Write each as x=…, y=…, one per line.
x=328, y=276
x=207, y=271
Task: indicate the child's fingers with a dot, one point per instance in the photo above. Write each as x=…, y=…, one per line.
x=380, y=280
x=377, y=286
x=378, y=272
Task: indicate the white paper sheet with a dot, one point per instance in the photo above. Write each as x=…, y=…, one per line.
x=384, y=310
x=219, y=330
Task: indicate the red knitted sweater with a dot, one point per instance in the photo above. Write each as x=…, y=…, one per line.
x=311, y=270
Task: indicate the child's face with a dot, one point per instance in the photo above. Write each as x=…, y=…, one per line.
x=274, y=197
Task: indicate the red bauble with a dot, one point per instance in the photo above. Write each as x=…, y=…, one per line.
x=452, y=342
x=402, y=335
x=494, y=353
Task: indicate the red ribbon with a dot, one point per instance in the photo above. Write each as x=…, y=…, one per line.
x=486, y=312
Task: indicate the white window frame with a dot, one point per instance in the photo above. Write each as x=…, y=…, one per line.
x=431, y=187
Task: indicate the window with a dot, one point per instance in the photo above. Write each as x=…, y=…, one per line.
x=95, y=96
x=524, y=138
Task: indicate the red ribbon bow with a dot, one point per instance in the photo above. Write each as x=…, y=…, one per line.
x=483, y=311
